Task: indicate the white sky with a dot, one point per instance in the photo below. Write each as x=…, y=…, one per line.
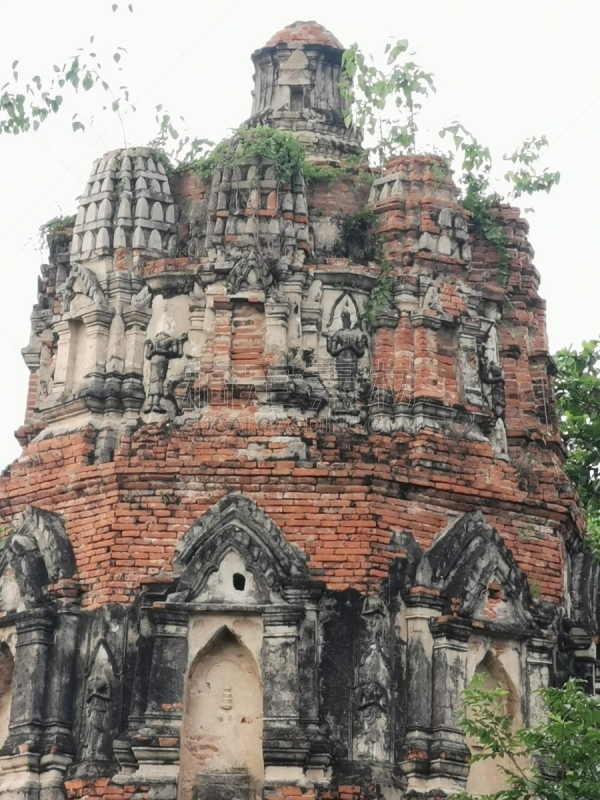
x=506, y=70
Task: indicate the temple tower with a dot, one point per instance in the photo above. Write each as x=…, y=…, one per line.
x=291, y=476
x=297, y=86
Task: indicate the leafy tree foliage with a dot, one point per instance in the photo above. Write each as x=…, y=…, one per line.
x=555, y=760
x=280, y=147
x=577, y=389
x=385, y=104
x=26, y=105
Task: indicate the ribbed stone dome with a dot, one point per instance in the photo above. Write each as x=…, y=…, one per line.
x=127, y=203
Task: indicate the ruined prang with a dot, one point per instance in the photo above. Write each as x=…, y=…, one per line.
x=264, y=531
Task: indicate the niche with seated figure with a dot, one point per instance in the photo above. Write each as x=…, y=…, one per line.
x=221, y=739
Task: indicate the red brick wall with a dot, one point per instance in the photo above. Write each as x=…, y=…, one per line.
x=342, y=504
x=340, y=507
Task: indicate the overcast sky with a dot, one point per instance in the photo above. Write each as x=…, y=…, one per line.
x=506, y=70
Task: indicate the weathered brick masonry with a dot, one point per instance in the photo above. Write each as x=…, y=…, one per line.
x=340, y=506
x=263, y=533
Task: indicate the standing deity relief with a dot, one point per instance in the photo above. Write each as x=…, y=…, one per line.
x=159, y=351
x=347, y=345
x=372, y=681
x=493, y=387
x=490, y=371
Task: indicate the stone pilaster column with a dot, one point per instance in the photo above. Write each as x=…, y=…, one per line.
x=312, y=314
x=97, y=324
x=448, y=751
x=155, y=745
x=276, y=348
x=538, y=676
x=405, y=295
x=35, y=637
x=197, y=332
x=61, y=368
x=308, y=668
x=136, y=322
x=167, y=672
x=421, y=608
x=285, y=746
x=208, y=348
x=585, y=666
x=293, y=288
x=276, y=337
x=58, y=734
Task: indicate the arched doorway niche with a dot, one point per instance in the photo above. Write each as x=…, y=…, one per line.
x=500, y=666
x=222, y=725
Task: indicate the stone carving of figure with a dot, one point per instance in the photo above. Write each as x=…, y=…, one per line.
x=309, y=392
x=159, y=352
x=493, y=376
x=28, y=565
x=97, y=704
x=347, y=345
x=372, y=699
x=89, y=285
x=250, y=272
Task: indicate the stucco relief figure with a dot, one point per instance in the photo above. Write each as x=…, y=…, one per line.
x=28, y=566
x=492, y=377
x=347, y=346
x=159, y=352
x=372, y=699
x=251, y=271
x=97, y=704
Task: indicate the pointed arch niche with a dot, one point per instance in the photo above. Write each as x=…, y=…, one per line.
x=500, y=666
x=222, y=722
x=234, y=651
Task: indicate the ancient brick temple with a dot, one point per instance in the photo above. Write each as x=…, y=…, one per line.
x=265, y=530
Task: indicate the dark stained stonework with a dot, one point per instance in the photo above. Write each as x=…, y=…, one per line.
x=251, y=548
